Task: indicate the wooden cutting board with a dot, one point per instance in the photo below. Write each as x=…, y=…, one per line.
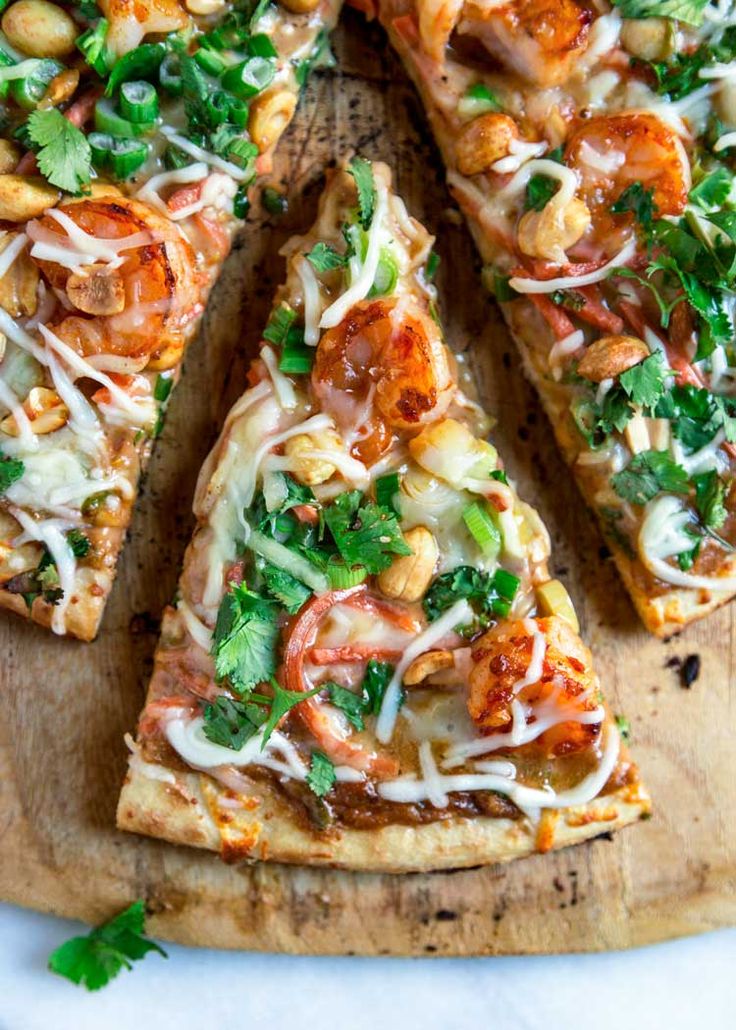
x=67, y=705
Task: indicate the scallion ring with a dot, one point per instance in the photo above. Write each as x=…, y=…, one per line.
x=138, y=102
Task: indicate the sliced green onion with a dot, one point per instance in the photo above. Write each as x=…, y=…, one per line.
x=209, y=61
x=169, y=75
x=91, y=44
x=387, y=487
x=238, y=112
x=273, y=200
x=430, y=268
x=117, y=154
x=250, y=77
x=288, y=560
x=138, y=102
x=478, y=99
x=141, y=63
x=482, y=528
x=107, y=119
x=175, y=159
x=342, y=575
x=260, y=45
x=506, y=583
x=218, y=107
x=296, y=358
x=27, y=92
x=387, y=275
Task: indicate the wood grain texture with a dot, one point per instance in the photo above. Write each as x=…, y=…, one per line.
x=67, y=705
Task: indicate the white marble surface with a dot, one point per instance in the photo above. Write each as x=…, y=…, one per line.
x=683, y=985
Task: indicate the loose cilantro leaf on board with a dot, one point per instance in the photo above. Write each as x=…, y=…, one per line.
x=364, y=533
x=638, y=201
x=375, y=682
x=244, y=643
x=648, y=474
x=645, y=383
x=362, y=171
x=282, y=702
x=321, y=776
x=489, y=594
x=352, y=705
x=689, y=11
x=285, y=588
x=96, y=959
x=713, y=189
x=231, y=723
x=539, y=191
x=710, y=495
x=324, y=258
x=64, y=156
x=11, y=469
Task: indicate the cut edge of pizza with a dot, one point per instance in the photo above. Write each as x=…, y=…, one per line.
x=367, y=665
x=119, y=216
x=541, y=139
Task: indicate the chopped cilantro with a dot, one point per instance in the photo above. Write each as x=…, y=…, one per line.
x=500, y=476
x=64, y=155
x=362, y=171
x=648, y=474
x=11, y=469
x=689, y=11
x=645, y=383
x=324, y=258
x=539, y=191
x=638, y=201
x=713, y=189
x=696, y=415
x=285, y=588
x=282, y=702
x=321, y=776
x=375, y=682
x=230, y=723
x=364, y=533
x=489, y=594
x=78, y=542
x=96, y=959
x=244, y=643
x=352, y=705
x=570, y=299
x=710, y=494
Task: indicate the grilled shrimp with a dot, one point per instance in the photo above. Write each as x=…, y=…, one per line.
x=539, y=39
x=547, y=652
x=383, y=368
x=612, y=152
x=135, y=305
x=131, y=20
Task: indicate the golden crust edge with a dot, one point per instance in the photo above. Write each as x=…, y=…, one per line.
x=179, y=814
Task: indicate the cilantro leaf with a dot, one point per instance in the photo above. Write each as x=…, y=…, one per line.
x=624, y=727
x=321, y=776
x=78, y=542
x=713, y=189
x=352, y=705
x=638, y=201
x=489, y=594
x=244, y=643
x=710, y=494
x=64, y=156
x=644, y=383
x=231, y=723
x=287, y=589
x=11, y=469
x=539, y=191
x=696, y=415
x=364, y=533
x=362, y=171
x=647, y=474
x=282, y=702
x=375, y=682
x=324, y=258
x=689, y=11
x=96, y=959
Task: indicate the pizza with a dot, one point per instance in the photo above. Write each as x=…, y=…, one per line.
x=132, y=135
x=591, y=149
x=367, y=664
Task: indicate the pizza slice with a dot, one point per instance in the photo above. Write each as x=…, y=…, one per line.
x=367, y=664
x=132, y=135
x=592, y=156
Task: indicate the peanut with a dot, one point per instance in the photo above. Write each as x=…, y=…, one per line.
x=408, y=576
x=609, y=356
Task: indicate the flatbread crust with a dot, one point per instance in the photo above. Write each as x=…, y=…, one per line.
x=265, y=829
x=664, y=610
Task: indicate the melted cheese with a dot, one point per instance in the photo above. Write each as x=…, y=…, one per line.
x=198, y=631
x=312, y=301
x=562, y=349
x=150, y=191
x=233, y=170
x=460, y=613
x=283, y=386
x=49, y=532
x=11, y=252
x=571, y=282
x=662, y=535
x=520, y=151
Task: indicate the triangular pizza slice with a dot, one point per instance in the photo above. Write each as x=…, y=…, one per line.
x=367, y=664
x=129, y=147
x=589, y=148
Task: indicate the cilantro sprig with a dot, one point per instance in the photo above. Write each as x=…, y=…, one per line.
x=648, y=474
x=362, y=171
x=96, y=959
x=11, y=470
x=490, y=594
x=244, y=641
x=62, y=151
x=321, y=776
x=365, y=533
x=688, y=11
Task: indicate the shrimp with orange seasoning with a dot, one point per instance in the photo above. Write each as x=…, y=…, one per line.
x=503, y=659
x=137, y=308
x=383, y=369
x=131, y=20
